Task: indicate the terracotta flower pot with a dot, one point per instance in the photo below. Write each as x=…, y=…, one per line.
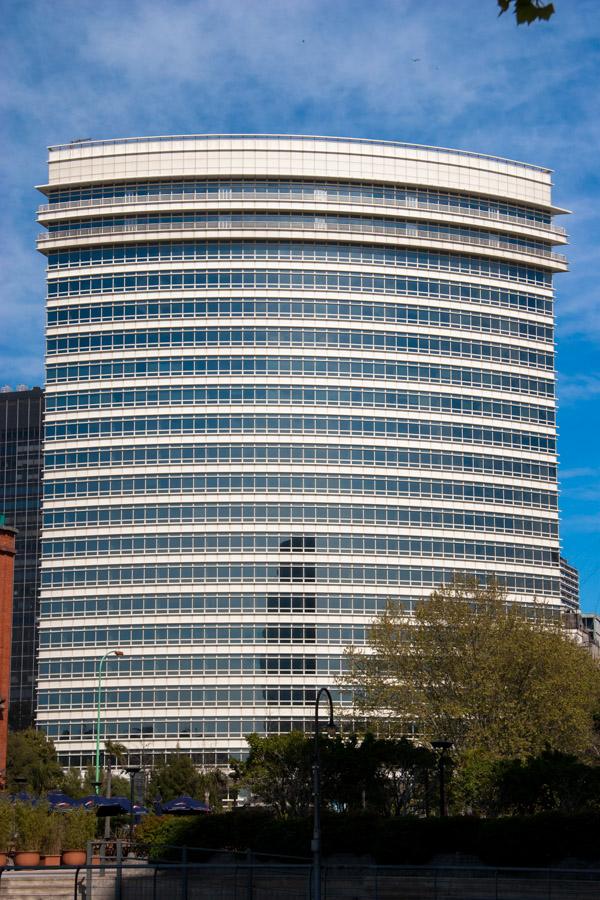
x=3, y=860
x=96, y=860
x=74, y=857
x=27, y=858
x=51, y=859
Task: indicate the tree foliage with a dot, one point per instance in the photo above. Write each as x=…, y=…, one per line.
x=32, y=756
x=77, y=784
x=277, y=771
x=550, y=782
x=469, y=667
x=177, y=775
x=358, y=774
x=528, y=11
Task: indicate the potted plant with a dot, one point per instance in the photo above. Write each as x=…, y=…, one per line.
x=30, y=824
x=79, y=828
x=53, y=839
x=7, y=825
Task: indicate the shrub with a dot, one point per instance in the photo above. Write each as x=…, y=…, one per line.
x=79, y=828
x=30, y=825
x=53, y=836
x=513, y=841
x=7, y=824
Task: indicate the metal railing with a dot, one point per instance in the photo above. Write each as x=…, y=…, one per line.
x=249, y=879
x=177, y=197
x=342, y=227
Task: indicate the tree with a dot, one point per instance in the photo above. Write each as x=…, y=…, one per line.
x=32, y=756
x=79, y=784
x=112, y=785
x=277, y=771
x=551, y=781
x=177, y=775
x=212, y=787
x=388, y=777
x=469, y=667
x=528, y=11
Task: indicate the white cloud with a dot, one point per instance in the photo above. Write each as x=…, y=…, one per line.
x=572, y=388
x=79, y=68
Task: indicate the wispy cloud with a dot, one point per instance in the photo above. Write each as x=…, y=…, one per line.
x=442, y=73
x=572, y=388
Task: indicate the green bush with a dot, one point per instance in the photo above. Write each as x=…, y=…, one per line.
x=516, y=841
x=7, y=824
x=52, y=842
x=30, y=825
x=79, y=828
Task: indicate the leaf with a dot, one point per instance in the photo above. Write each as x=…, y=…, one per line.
x=528, y=11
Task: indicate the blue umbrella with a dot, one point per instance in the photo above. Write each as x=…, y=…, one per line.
x=107, y=806
x=58, y=800
x=184, y=806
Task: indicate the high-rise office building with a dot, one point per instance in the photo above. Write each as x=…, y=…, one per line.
x=21, y=418
x=288, y=380
x=569, y=585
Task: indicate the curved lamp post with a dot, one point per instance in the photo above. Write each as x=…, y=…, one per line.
x=98, y=781
x=316, y=839
x=132, y=772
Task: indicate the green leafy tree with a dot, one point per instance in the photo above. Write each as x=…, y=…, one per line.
x=177, y=775
x=367, y=773
x=384, y=776
x=528, y=11
x=277, y=771
x=552, y=781
x=79, y=784
x=72, y=783
x=213, y=787
x=115, y=753
x=475, y=787
x=469, y=667
x=32, y=756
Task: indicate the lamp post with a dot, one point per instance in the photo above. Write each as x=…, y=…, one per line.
x=132, y=772
x=442, y=746
x=316, y=839
x=98, y=706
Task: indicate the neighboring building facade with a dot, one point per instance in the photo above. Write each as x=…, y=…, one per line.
x=7, y=564
x=288, y=379
x=569, y=585
x=21, y=428
x=590, y=623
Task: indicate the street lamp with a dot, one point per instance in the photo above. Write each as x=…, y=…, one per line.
x=316, y=839
x=97, y=781
x=442, y=746
x=132, y=772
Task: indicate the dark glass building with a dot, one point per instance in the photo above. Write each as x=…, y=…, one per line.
x=21, y=418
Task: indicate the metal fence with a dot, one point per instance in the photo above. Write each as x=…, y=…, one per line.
x=251, y=880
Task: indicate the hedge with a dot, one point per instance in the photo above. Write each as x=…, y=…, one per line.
x=539, y=840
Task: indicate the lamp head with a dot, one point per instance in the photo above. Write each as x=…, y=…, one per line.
x=331, y=728
x=442, y=745
x=119, y=653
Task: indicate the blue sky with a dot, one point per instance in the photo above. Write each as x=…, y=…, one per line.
x=434, y=72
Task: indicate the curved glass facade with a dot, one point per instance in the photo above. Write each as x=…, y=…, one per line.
x=289, y=379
